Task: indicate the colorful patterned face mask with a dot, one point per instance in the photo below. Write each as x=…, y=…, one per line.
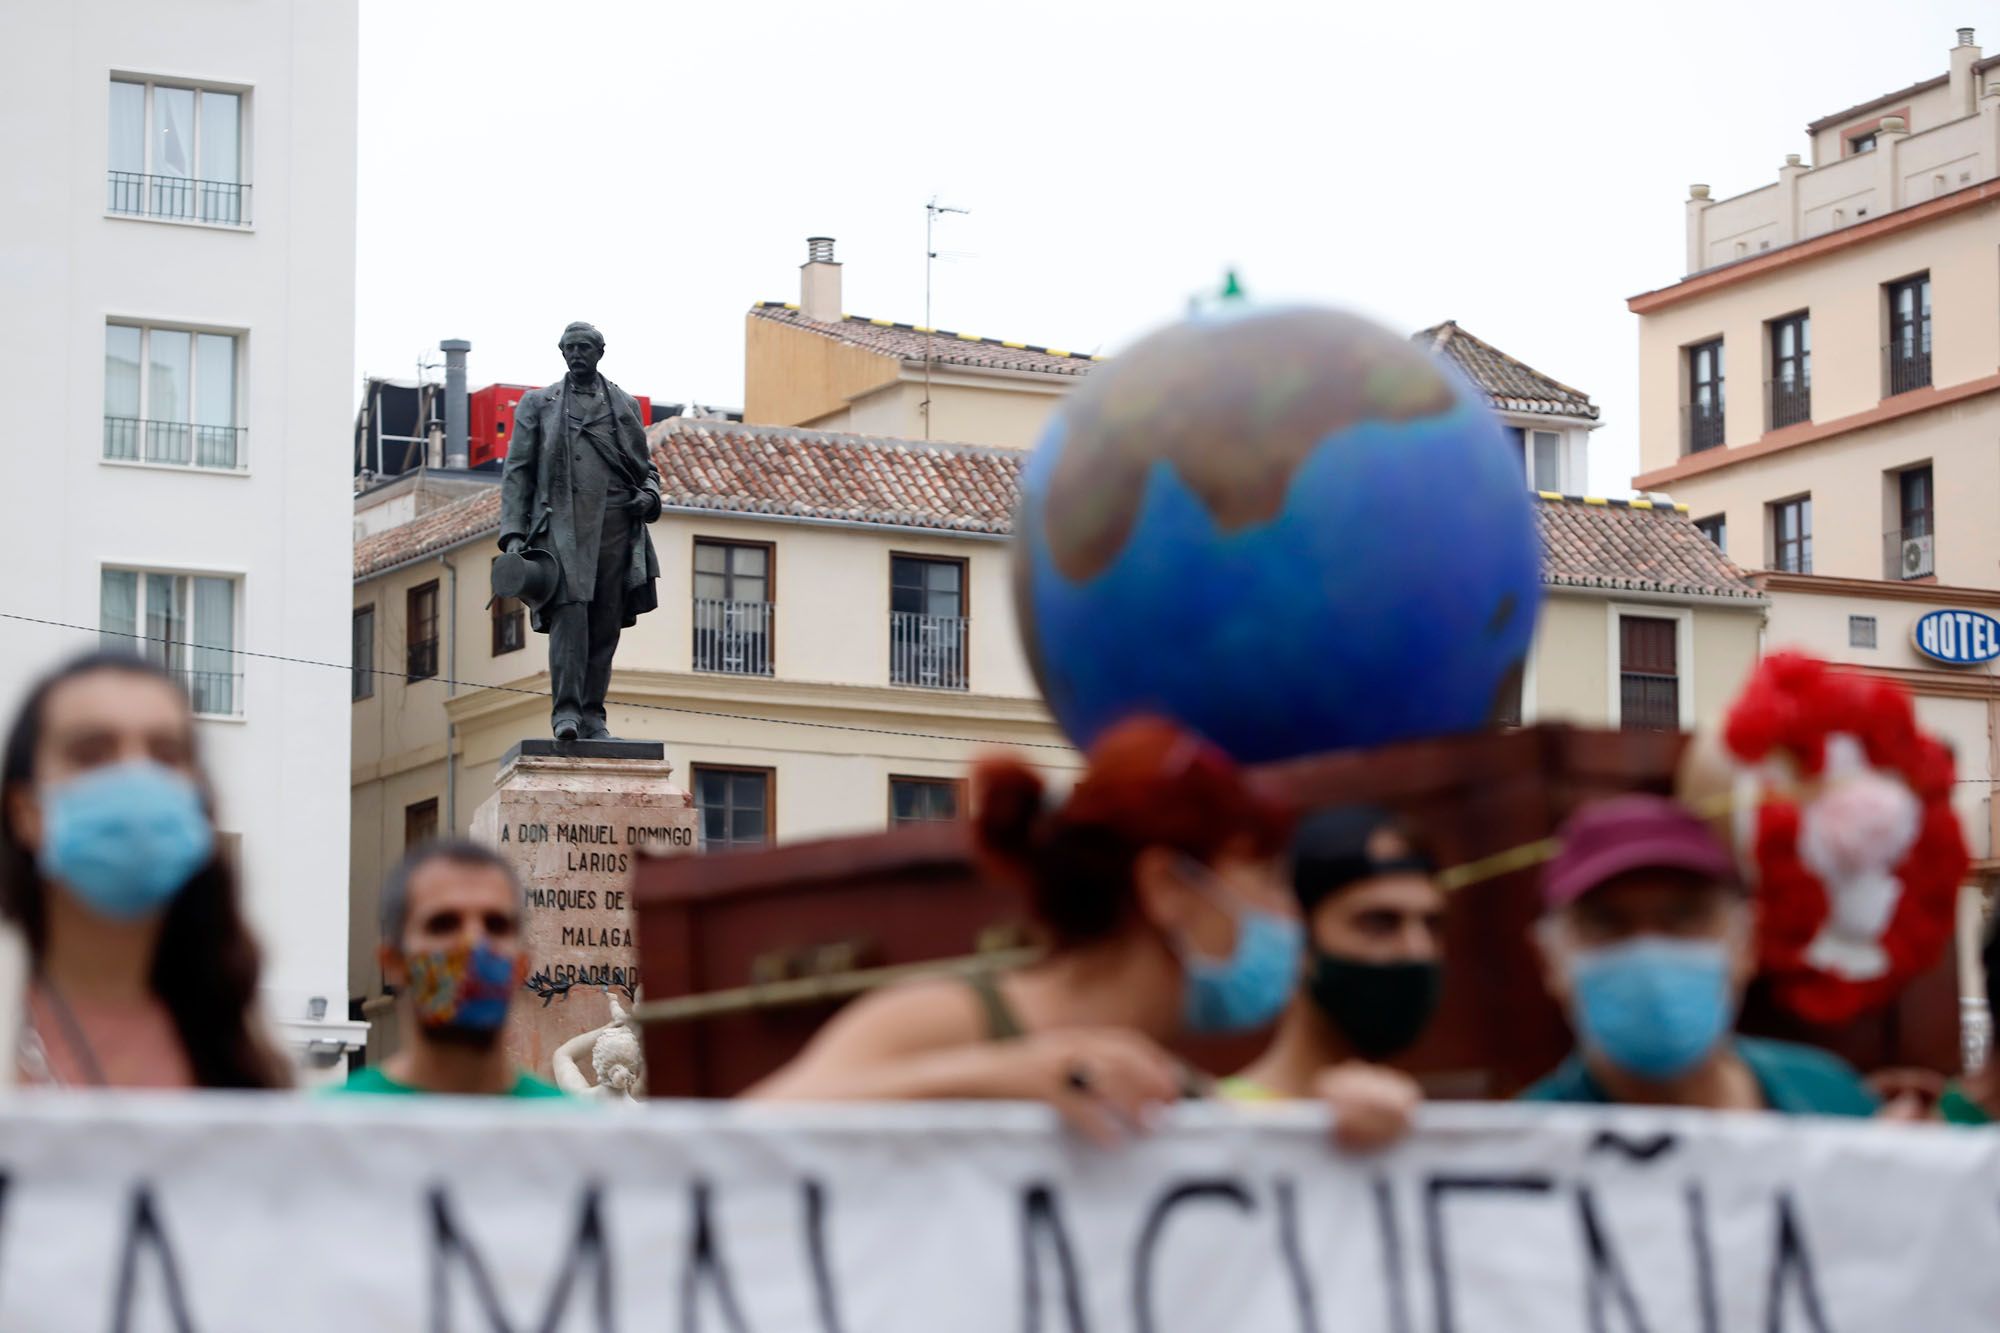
x=463, y=991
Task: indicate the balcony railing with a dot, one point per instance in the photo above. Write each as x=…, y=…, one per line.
x=928, y=651
x=1649, y=703
x=1905, y=367
x=1907, y=554
x=732, y=637
x=220, y=203
x=213, y=693
x=1701, y=426
x=176, y=443
x=422, y=661
x=1788, y=402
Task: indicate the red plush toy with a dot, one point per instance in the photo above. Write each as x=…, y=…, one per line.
x=1841, y=811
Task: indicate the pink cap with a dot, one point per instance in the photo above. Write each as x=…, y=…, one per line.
x=1608, y=838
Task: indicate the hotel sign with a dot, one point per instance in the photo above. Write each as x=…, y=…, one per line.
x=1957, y=638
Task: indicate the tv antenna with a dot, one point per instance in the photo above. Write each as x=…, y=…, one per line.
x=931, y=212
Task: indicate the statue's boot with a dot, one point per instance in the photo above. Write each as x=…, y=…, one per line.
x=566, y=729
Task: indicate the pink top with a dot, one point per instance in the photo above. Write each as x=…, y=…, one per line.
x=121, y=1045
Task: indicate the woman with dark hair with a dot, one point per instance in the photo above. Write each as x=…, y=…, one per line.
x=1158, y=892
x=144, y=973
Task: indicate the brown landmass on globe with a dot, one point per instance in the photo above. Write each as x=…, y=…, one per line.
x=1234, y=407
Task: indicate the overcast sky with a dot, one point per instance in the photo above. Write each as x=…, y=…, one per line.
x=656, y=168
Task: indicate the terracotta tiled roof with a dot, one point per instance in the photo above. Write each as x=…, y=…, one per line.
x=729, y=468
x=910, y=342
x=1634, y=546
x=1510, y=384
x=738, y=469
x=428, y=534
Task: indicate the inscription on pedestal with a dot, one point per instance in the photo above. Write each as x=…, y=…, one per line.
x=574, y=826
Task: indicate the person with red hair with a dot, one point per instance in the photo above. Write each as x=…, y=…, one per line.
x=1157, y=887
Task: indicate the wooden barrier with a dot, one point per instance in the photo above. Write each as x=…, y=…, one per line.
x=755, y=923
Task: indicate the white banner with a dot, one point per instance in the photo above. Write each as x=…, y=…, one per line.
x=238, y=1213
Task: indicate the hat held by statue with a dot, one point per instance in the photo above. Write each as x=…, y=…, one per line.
x=528, y=573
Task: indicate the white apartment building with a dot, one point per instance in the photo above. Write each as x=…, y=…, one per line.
x=178, y=261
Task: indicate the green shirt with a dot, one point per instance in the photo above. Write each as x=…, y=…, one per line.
x=1955, y=1108
x=1795, y=1080
x=373, y=1081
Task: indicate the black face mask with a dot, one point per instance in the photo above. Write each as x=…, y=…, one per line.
x=1382, y=1008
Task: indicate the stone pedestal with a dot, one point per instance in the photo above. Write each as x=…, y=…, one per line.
x=572, y=817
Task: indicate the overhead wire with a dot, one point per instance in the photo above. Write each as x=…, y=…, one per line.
x=541, y=694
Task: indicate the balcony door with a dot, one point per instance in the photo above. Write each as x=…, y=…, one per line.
x=927, y=622
x=732, y=607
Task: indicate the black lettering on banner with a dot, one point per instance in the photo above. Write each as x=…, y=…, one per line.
x=1435, y=1190
x=1605, y=1270
x=1793, y=1258
x=1227, y=1191
x=143, y=1229
x=1040, y=1214
x=1704, y=1260
x=589, y=1247
x=1638, y=1149
x=822, y=1271
x=1393, y=1281
x=704, y=1257
x=1295, y=1263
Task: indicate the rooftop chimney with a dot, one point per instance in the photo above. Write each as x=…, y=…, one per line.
x=819, y=281
x=1964, y=89
x=456, y=452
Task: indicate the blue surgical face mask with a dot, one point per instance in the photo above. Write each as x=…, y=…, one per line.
x=1247, y=989
x=125, y=838
x=1654, y=1007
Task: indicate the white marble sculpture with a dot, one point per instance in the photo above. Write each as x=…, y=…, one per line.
x=617, y=1059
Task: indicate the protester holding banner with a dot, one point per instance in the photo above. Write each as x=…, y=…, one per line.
x=1157, y=887
x=1374, y=918
x=143, y=972
x=451, y=949
x=1648, y=944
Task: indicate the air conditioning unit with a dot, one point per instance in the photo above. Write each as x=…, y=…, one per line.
x=1916, y=557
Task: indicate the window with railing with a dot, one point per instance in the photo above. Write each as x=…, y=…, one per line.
x=170, y=397
x=1649, y=685
x=734, y=805
x=363, y=654
x=1789, y=392
x=1701, y=415
x=923, y=800
x=1907, y=358
x=1791, y=535
x=732, y=607
x=421, y=633
x=176, y=152
x=183, y=623
x=928, y=627
x=1909, y=550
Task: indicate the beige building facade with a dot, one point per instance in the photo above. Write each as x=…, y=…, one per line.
x=808, y=363
x=1822, y=391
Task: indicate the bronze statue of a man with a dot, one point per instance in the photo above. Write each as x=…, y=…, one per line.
x=578, y=490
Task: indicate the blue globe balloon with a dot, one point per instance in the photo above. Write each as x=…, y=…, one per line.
x=1290, y=529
